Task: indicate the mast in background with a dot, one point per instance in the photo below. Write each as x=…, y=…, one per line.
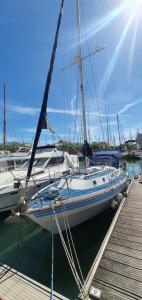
x=4, y=118
x=118, y=125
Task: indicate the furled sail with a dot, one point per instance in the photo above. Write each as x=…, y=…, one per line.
x=86, y=150
x=42, y=122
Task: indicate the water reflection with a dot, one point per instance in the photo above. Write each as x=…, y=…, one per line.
x=134, y=166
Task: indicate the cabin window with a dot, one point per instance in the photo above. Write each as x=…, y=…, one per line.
x=40, y=162
x=10, y=164
x=18, y=162
x=55, y=161
x=26, y=163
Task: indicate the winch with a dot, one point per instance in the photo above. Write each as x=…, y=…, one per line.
x=53, y=192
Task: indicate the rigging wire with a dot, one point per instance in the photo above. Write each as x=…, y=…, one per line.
x=76, y=111
x=106, y=102
x=52, y=258
x=105, y=94
x=68, y=88
x=93, y=77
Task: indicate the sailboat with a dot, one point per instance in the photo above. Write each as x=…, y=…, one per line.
x=77, y=197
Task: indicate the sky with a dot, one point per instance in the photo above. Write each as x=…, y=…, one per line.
x=112, y=76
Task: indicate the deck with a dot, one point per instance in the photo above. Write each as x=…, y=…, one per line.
x=117, y=269
x=15, y=285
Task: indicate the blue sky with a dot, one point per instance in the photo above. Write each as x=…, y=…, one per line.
x=27, y=31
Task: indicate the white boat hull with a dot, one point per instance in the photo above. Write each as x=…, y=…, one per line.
x=41, y=177
x=9, y=201
x=75, y=216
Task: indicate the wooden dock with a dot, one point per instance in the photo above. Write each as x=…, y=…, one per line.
x=17, y=286
x=117, y=270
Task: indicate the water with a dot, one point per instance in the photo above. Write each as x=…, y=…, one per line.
x=134, y=166
x=27, y=248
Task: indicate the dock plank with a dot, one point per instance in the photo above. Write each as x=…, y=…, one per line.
x=113, y=293
x=123, y=250
x=121, y=269
x=131, y=231
x=129, y=225
x=131, y=218
x=127, y=237
x=125, y=284
x=15, y=285
x=125, y=243
x=124, y=259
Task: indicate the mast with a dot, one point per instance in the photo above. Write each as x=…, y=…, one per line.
x=118, y=125
x=4, y=118
x=81, y=72
x=79, y=61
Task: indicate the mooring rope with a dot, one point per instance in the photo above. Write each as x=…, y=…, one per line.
x=52, y=259
x=72, y=242
x=74, y=271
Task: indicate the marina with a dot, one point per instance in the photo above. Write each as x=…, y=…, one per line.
x=21, y=255
x=70, y=207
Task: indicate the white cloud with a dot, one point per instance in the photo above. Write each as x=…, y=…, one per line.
x=33, y=111
x=30, y=130
x=23, y=110
x=129, y=105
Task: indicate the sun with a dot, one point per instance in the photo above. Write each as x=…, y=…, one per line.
x=135, y=8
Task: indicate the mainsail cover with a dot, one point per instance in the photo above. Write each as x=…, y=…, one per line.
x=87, y=151
x=42, y=122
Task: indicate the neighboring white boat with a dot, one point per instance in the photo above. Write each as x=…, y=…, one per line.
x=50, y=164
x=4, y=154
x=14, y=160
x=10, y=161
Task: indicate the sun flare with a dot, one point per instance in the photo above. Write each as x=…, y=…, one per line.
x=135, y=8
